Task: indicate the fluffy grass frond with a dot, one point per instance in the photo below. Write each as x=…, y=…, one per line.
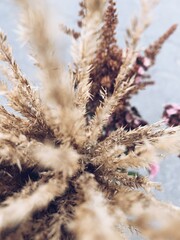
x=94, y=209
x=69, y=161
x=140, y=23
x=13, y=212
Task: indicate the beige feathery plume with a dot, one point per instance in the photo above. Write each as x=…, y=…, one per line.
x=129, y=138
x=84, y=49
x=18, y=210
x=123, y=85
x=92, y=218
x=11, y=122
x=153, y=224
x=29, y=105
x=144, y=149
x=57, y=85
x=63, y=159
x=140, y=23
x=169, y=142
x=16, y=149
x=43, y=42
x=3, y=88
x=117, y=158
x=61, y=176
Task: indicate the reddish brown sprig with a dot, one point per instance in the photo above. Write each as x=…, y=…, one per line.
x=108, y=59
x=69, y=31
x=152, y=51
x=82, y=13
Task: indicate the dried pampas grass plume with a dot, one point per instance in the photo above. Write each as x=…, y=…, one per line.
x=69, y=159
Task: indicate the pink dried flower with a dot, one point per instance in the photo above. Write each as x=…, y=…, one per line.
x=176, y=106
x=146, y=62
x=171, y=111
x=171, y=114
x=154, y=169
x=138, y=80
x=141, y=71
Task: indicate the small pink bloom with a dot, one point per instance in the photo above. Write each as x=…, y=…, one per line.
x=154, y=169
x=171, y=111
x=176, y=106
x=138, y=80
x=136, y=121
x=166, y=120
x=141, y=70
x=146, y=62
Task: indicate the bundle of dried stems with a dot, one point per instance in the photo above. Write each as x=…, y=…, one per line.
x=67, y=154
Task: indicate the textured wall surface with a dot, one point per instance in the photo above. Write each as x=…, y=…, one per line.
x=166, y=73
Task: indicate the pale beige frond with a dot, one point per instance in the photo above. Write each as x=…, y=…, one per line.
x=129, y=138
x=22, y=98
x=123, y=85
x=63, y=159
x=140, y=23
x=57, y=89
x=154, y=219
x=65, y=171
x=93, y=219
x=15, y=211
x=16, y=149
x=84, y=49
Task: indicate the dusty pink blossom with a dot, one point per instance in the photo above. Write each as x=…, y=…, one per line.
x=176, y=106
x=146, y=62
x=154, y=169
x=138, y=80
x=141, y=71
x=171, y=111
x=166, y=120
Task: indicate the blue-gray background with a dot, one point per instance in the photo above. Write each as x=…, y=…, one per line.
x=166, y=72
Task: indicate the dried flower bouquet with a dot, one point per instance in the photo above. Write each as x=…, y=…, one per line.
x=68, y=159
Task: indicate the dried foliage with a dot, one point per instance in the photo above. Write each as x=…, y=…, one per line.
x=70, y=154
x=171, y=114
